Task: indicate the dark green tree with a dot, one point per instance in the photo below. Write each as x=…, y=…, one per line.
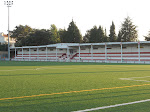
x=112, y=35
x=147, y=38
x=101, y=35
x=73, y=34
x=20, y=33
x=119, y=37
x=94, y=35
x=39, y=37
x=4, y=47
x=63, y=35
x=86, y=37
x=128, y=31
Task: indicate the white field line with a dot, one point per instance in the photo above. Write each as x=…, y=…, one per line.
x=140, y=77
x=117, y=105
x=135, y=79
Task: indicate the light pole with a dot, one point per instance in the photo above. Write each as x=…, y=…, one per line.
x=9, y=4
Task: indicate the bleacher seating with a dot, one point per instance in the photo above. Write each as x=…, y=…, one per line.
x=115, y=56
x=50, y=56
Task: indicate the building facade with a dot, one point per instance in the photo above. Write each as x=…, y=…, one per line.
x=4, y=40
x=120, y=52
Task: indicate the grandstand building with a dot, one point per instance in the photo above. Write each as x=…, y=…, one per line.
x=115, y=52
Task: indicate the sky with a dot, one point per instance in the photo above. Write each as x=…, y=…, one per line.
x=41, y=14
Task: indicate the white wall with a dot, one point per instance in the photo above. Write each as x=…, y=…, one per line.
x=50, y=52
x=1, y=39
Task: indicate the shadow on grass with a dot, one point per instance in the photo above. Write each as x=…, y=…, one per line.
x=34, y=63
x=75, y=73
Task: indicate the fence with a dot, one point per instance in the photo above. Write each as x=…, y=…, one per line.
x=3, y=55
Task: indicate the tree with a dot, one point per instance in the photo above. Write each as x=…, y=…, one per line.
x=102, y=35
x=63, y=35
x=147, y=38
x=20, y=33
x=73, y=33
x=96, y=35
x=55, y=37
x=4, y=47
x=119, y=37
x=128, y=31
x=105, y=38
x=112, y=35
x=39, y=37
x=86, y=37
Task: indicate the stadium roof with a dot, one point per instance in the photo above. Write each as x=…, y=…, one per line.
x=68, y=45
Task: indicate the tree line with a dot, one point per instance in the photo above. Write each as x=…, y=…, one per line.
x=27, y=36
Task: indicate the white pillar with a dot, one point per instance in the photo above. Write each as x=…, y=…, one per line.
x=9, y=57
x=29, y=54
x=56, y=54
x=15, y=53
x=105, y=52
x=68, y=53
x=139, y=51
x=46, y=53
x=37, y=53
x=22, y=53
x=92, y=52
x=79, y=52
x=121, y=52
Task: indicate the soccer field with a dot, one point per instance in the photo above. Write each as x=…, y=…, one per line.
x=68, y=87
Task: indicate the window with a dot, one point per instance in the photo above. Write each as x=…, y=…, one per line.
x=34, y=49
x=95, y=47
x=109, y=48
x=124, y=47
x=83, y=49
x=141, y=47
x=61, y=49
x=51, y=49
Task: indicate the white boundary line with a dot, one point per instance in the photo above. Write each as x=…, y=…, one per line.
x=135, y=79
x=117, y=105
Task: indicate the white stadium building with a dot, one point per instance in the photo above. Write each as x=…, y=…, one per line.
x=111, y=52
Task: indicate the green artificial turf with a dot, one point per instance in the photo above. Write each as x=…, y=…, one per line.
x=33, y=78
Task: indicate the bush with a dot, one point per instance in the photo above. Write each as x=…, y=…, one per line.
x=4, y=47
